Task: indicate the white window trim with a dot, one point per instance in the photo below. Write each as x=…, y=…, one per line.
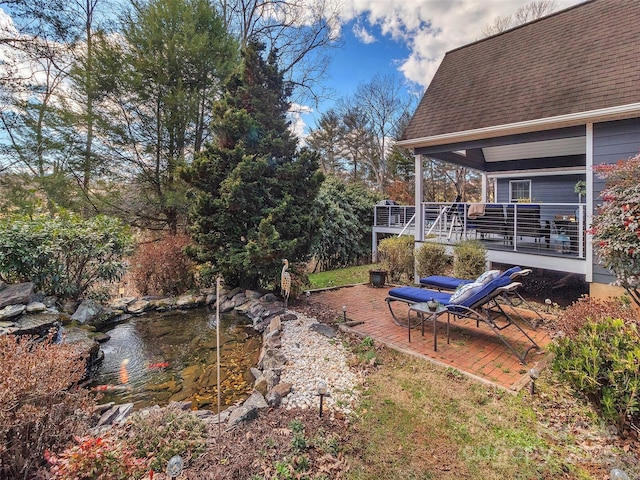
x=511, y=182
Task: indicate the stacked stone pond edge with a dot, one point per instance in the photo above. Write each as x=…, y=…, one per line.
x=23, y=311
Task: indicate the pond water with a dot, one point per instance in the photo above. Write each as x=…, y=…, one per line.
x=171, y=356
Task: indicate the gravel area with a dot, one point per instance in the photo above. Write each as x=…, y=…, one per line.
x=312, y=358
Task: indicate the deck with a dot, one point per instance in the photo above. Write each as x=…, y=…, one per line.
x=534, y=235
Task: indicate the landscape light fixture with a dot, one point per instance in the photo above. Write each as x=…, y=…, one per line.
x=344, y=313
x=175, y=466
x=322, y=391
x=548, y=303
x=617, y=474
x=534, y=374
x=308, y=295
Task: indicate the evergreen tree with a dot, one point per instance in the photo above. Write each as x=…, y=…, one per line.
x=254, y=188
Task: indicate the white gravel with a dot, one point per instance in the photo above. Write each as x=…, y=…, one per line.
x=313, y=358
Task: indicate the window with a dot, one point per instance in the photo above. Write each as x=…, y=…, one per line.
x=520, y=191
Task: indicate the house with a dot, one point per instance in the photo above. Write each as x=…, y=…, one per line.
x=534, y=109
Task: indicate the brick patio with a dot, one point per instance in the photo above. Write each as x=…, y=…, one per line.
x=475, y=351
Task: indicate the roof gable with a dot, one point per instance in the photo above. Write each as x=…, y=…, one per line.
x=580, y=59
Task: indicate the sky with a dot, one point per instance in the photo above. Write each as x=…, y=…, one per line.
x=407, y=38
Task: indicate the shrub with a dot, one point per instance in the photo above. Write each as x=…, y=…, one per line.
x=601, y=362
x=103, y=458
x=431, y=259
x=64, y=254
x=469, y=259
x=396, y=253
x=595, y=310
x=40, y=406
x=616, y=226
x=161, y=267
x=162, y=433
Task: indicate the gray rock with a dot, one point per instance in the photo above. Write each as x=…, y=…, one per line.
x=252, y=294
x=324, y=329
x=256, y=400
x=239, y=299
x=261, y=385
x=227, y=306
x=272, y=360
x=138, y=306
x=188, y=301
x=163, y=304
x=121, y=303
x=36, y=307
x=273, y=309
x=37, y=324
x=19, y=293
x=89, y=312
x=283, y=389
x=242, y=414
x=246, y=307
x=2, y=285
x=211, y=299
x=254, y=371
x=101, y=337
x=269, y=298
x=273, y=398
x=11, y=311
x=257, y=310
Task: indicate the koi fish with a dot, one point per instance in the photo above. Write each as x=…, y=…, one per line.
x=110, y=388
x=157, y=366
x=124, y=374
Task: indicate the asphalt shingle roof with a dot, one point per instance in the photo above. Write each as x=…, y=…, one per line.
x=580, y=59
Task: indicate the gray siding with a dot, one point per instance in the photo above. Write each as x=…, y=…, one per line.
x=612, y=141
x=546, y=190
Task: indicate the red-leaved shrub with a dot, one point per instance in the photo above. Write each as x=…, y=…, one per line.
x=595, y=310
x=41, y=406
x=161, y=267
x=104, y=458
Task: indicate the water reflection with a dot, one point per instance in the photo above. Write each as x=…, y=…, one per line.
x=172, y=356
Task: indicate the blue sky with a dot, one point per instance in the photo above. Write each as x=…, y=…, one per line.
x=407, y=38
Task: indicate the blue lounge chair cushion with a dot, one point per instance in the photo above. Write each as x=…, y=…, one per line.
x=464, y=292
x=418, y=295
x=480, y=295
x=446, y=283
x=507, y=273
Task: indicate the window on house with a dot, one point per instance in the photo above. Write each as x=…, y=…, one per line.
x=520, y=191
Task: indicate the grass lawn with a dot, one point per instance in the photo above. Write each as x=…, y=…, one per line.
x=344, y=276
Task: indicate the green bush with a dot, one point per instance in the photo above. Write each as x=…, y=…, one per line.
x=601, y=361
x=396, y=254
x=431, y=259
x=161, y=433
x=64, y=254
x=469, y=259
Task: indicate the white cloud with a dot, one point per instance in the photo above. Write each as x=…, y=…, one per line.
x=430, y=28
x=362, y=34
x=298, y=125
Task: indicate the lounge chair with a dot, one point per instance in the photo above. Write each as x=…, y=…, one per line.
x=477, y=302
x=513, y=298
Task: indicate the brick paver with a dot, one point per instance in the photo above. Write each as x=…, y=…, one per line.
x=475, y=351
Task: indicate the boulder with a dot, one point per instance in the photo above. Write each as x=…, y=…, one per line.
x=189, y=301
x=89, y=312
x=36, y=307
x=19, y=293
x=39, y=324
x=11, y=311
x=324, y=329
x=121, y=303
x=138, y=306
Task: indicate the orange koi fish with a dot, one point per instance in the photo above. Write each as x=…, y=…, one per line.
x=124, y=374
x=157, y=366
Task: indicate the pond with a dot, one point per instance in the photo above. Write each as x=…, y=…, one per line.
x=171, y=356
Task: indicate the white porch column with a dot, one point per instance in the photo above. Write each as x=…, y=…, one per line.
x=484, y=188
x=589, y=202
x=419, y=222
x=419, y=185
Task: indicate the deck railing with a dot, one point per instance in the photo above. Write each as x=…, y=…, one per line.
x=543, y=228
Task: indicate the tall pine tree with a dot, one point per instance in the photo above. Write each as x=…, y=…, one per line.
x=254, y=187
